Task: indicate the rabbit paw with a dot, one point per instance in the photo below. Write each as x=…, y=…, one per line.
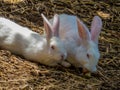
x=65, y=64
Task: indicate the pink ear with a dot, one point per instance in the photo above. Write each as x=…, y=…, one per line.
x=83, y=31
x=56, y=25
x=96, y=27
x=48, y=27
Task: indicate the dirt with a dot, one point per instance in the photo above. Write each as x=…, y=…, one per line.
x=17, y=73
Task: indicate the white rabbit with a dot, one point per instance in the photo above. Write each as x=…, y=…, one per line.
x=81, y=45
x=46, y=49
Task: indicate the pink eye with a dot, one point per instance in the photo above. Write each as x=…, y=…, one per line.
x=88, y=55
x=53, y=47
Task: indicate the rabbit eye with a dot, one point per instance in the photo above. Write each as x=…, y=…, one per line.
x=88, y=55
x=53, y=47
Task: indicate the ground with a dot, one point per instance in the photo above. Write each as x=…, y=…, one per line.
x=17, y=73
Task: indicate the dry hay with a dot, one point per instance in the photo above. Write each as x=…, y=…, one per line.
x=13, y=1
x=16, y=73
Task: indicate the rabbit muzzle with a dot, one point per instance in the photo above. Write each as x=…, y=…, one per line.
x=63, y=57
x=85, y=70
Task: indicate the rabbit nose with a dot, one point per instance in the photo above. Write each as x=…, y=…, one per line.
x=62, y=57
x=85, y=71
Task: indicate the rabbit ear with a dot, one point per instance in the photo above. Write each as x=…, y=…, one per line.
x=56, y=25
x=48, y=27
x=83, y=32
x=96, y=27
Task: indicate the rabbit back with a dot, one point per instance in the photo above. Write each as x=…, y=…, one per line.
x=15, y=37
x=68, y=28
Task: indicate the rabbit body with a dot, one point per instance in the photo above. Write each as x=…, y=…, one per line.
x=23, y=41
x=81, y=44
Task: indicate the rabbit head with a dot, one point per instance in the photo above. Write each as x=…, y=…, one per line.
x=55, y=46
x=87, y=54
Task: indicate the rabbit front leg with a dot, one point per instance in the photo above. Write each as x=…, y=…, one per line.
x=65, y=64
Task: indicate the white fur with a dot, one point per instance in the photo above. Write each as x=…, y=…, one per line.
x=23, y=41
x=79, y=41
